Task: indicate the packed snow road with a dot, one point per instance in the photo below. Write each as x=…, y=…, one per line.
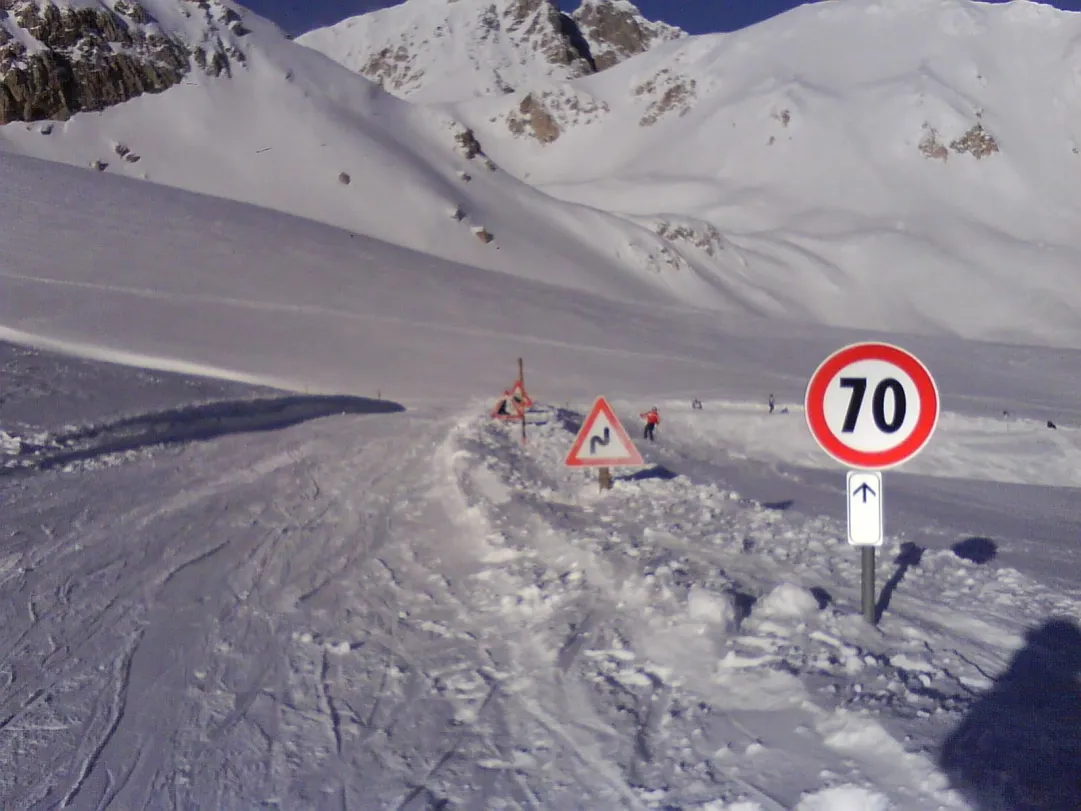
x=191, y=614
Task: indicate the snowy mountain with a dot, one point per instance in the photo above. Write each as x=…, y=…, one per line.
x=906, y=167
x=208, y=97
x=899, y=165
x=449, y=50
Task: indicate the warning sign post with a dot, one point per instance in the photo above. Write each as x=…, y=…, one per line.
x=603, y=443
x=515, y=402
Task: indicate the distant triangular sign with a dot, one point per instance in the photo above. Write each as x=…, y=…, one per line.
x=519, y=396
x=513, y=404
x=602, y=442
x=507, y=409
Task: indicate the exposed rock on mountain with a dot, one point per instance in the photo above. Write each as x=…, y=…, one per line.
x=668, y=92
x=450, y=50
x=545, y=114
x=615, y=30
x=55, y=62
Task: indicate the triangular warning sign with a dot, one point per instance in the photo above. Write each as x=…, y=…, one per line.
x=505, y=410
x=513, y=404
x=519, y=396
x=602, y=442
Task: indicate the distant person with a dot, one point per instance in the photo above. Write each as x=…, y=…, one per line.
x=653, y=419
x=696, y=404
x=771, y=403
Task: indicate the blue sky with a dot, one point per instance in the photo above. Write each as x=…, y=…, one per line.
x=696, y=16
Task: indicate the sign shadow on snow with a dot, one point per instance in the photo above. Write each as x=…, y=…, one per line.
x=976, y=550
x=822, y=597
x=909, y=556
x=1019, y=747
x=570, y=420
x=190, y=423
x=654, y=472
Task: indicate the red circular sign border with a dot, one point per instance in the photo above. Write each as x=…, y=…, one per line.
x=814, y=405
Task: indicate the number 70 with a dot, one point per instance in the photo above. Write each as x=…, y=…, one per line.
x=878, y=404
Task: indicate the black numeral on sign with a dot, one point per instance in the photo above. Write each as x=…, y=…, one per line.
x=859, y=389
x=878, y=404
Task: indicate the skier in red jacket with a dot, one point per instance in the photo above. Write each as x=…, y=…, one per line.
x=653, y=419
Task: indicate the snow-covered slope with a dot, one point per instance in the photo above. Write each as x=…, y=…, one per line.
x=270, y=122
x=859, y=164
x=257, y=295
x=899, y=165
x=448, y=50
x=215, y=597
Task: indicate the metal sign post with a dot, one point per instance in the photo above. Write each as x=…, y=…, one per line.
x=865, y=529
x=871, y=406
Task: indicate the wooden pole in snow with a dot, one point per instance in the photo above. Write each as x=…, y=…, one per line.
x=521, y=379
x=604, y=478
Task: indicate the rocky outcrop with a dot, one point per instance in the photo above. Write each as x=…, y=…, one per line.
x=703, y=236
x=669, y=93
x=90, y=58
x=394, y=69
x=545, y=114
x=553, y=35
x=976, y=141
x=615, y=30
x=498, y=46
x=533, y=117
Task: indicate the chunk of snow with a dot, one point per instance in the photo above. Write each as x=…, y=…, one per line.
x=708, y=606
x=787, y=601
x=844, y=798
x=9, y=444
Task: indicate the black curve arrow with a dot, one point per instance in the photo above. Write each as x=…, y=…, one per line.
x=596, y=440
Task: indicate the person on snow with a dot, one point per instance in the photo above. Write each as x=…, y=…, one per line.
x=653, y=419
x=696, y=404
x=771, y=402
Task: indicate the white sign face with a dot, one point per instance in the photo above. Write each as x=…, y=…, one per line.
x=872, y=406
x=602, y=441
x=865, y=526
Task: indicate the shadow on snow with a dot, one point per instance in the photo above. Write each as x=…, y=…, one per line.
x=654, y=472
x=975, y=550
x=909, y=556
x=1019, y=747
x=191, y=423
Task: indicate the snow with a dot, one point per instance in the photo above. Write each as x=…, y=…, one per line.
x=345, y=604
x=263, y=547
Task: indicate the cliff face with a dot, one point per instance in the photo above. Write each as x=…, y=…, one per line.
x=615, y=30
x=450, y=50
x=56, y=62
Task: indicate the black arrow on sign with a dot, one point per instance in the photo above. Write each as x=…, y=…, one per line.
x=595, y=441
x=866, y=490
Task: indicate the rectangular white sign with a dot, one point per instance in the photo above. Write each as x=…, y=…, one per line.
x=865, y=508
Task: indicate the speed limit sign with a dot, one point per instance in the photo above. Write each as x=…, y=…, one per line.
x=872, y=406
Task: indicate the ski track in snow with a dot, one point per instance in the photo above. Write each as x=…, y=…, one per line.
x=414, y=611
